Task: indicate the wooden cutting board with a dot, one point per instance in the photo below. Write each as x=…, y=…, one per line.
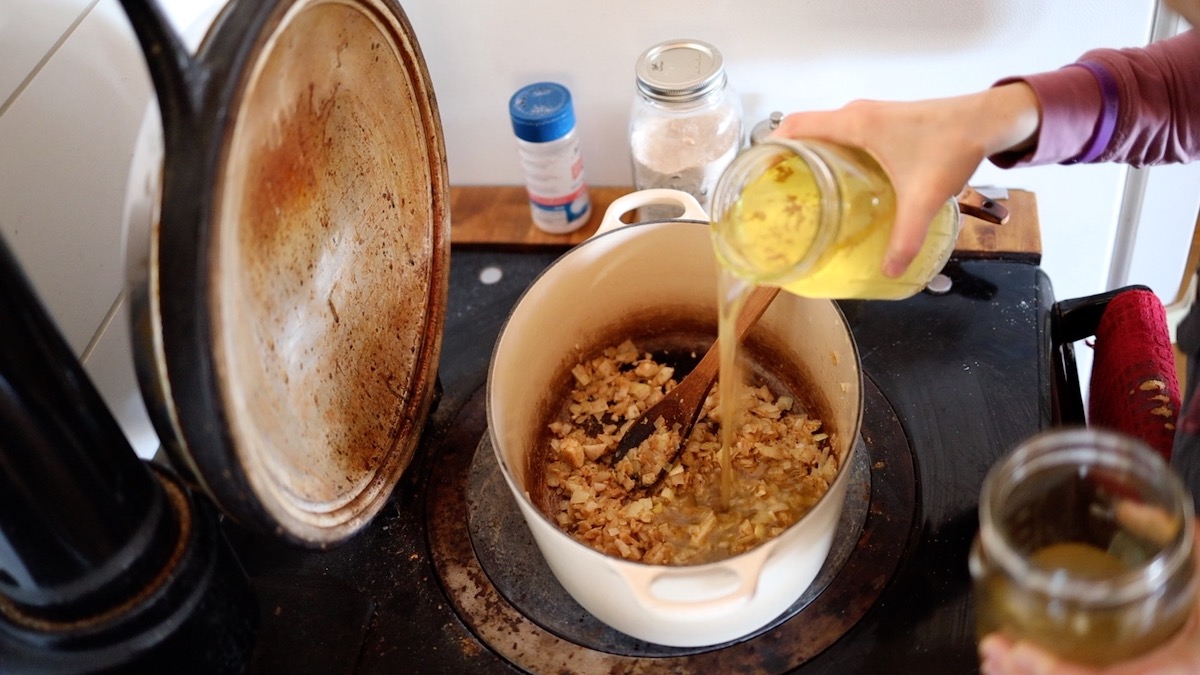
x=499, y=216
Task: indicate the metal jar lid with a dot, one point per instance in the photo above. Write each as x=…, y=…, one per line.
x=680, y=70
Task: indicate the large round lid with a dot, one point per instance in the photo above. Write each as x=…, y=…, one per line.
x=300, y=341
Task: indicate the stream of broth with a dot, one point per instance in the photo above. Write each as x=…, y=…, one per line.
x=732, y=293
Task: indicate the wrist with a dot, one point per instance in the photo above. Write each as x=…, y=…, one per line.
x=1013, y=117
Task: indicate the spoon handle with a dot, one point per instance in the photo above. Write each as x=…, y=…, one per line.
x=757, y=303
x=706, y=371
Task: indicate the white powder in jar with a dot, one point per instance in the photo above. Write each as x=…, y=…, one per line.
x=686, y=153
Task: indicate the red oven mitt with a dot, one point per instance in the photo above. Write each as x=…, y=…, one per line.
x=1134, y=389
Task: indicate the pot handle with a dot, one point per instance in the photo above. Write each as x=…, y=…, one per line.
x=973, y=203
x=654, y=196
x=709, y=591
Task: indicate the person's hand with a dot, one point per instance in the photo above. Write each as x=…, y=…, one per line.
x=1178, y=656
x=929, y=148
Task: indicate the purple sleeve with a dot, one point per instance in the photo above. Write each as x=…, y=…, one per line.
x=1137, y=106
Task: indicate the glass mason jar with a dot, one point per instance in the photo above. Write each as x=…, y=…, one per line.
x=814, y=218
x=1084, y=547
x=686, y=121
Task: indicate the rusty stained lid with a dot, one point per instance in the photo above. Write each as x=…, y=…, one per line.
x=328, y=264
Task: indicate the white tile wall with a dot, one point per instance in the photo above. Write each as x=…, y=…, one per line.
x=66, y=141
x=28, y=32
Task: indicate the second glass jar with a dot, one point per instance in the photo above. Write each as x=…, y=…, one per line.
x=686, y=122
x=1084, y=548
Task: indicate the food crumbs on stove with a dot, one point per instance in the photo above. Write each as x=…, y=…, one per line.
x=278, y=610
x=879, y=465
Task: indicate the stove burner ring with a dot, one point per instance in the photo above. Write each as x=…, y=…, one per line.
x=507, y=552
x=501, y=586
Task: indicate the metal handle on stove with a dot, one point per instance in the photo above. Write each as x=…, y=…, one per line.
x=652, y=197
x=703, y=591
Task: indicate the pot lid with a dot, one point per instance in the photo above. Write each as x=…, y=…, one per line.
x=300, y=303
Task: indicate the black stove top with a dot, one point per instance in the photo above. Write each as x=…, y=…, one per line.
x=444, y=581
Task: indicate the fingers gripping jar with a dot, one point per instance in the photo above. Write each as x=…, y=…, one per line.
x=686, y=122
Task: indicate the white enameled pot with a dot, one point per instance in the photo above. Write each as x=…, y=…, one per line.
x=663, y=268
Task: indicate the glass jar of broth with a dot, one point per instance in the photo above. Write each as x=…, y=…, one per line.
x=814, y=218
x=1084, y=548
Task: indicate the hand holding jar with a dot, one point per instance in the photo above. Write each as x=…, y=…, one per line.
x=1086, y=560
x=1001, y=656
x=929, y=149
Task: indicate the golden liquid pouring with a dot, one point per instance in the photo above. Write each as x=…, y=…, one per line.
x=789, y=227
x=775, y=227
x=732, y=297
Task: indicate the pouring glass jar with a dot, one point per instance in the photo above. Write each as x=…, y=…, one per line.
x=814, y=218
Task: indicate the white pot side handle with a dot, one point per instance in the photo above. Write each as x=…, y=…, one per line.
x=741, y=581
x=652, y=197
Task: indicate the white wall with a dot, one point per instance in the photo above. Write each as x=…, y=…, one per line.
x=73, y=89
x=810, y=54
x=781, y=55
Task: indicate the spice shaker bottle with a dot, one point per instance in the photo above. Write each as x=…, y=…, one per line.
x=815, y=219
x=686, y=123
x=543, y=120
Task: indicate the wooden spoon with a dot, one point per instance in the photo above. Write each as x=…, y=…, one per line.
x=680, y=407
